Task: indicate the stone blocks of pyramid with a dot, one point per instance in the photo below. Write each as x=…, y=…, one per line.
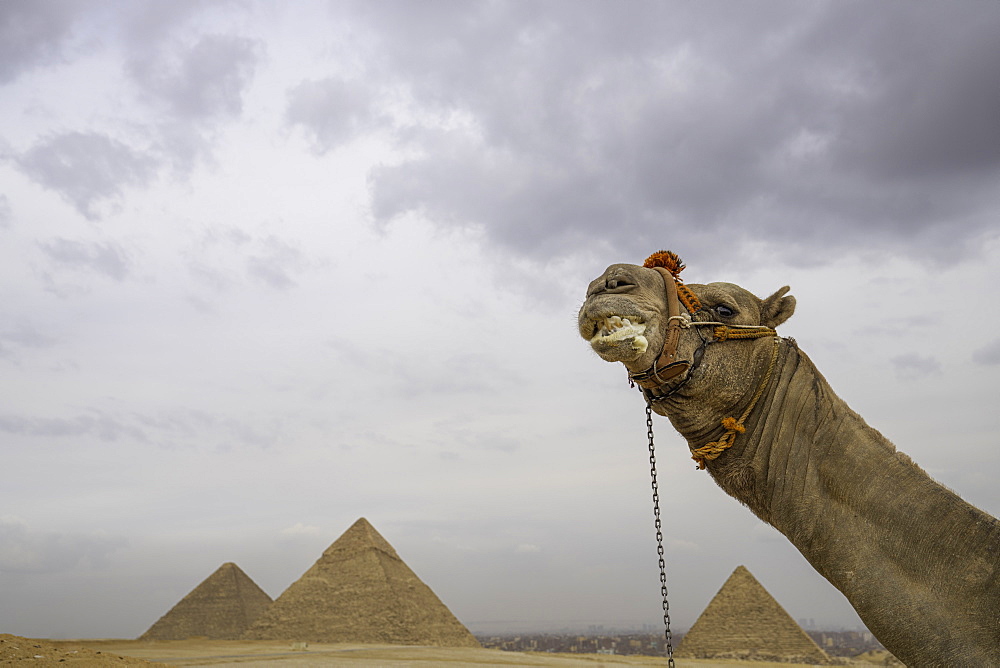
x=360, y=591
x=744, y=621
x=222, y=607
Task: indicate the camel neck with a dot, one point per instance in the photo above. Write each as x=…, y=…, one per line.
x=805, y=433
x=863, y=513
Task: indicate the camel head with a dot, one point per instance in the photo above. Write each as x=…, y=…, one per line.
x=720, y=330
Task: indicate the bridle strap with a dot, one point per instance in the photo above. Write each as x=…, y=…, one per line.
x=667, y=366
x=673, y=337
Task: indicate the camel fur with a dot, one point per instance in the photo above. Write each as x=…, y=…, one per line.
x=919, y=564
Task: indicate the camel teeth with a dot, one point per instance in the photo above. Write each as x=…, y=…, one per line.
x=618, y=327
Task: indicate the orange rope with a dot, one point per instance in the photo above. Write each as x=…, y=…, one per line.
x=687, y=297
x=733, y=426
x=723, y=333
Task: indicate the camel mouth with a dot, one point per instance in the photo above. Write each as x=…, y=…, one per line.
x=620, y=334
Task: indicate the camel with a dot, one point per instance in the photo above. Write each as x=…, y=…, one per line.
x=919, y=564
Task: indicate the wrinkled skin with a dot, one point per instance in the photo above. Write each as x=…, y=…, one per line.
x=920, y=565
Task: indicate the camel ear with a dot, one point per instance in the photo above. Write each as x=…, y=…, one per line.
x=777, y=308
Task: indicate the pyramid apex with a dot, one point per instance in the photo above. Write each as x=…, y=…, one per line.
x=361, y=536
x=229, y=569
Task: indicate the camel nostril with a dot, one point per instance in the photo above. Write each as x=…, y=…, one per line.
x=617, y=284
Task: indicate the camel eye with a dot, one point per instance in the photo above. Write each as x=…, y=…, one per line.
x=725, y=311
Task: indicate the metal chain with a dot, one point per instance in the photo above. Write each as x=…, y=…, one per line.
x=668, y=636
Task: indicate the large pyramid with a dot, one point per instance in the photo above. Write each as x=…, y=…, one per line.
x=223, y=607
x=361, y=591
x=744, y=621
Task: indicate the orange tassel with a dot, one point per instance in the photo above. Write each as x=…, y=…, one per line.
x=670, y=261
x=666, y=259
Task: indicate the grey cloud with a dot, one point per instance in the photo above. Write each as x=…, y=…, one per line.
x=332, y=111
x=479, y=376
x=166, y=429
x=228, y=235
x=6, y=215
x=32, y=34
x=95, y=423
x=199, y=428
x=203, y=82
x=24, y=550
x=534, y=205
x=38, y=33
x=791, y=124
x=86, y=168
x=912, y=366
x=196, y=87
x=107, y=259
x=406, y=377
x=473, y=440
x=276, y=265
x=195, y=81
x=988, y=354
x=933, y=89
x=148, y=23
x=185, y=145
x=22, y=336
x=266, y=260
x=208, y=276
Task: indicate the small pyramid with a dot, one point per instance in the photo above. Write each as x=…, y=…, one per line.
x=360, y=591
x=222, y=607
x=744, y=621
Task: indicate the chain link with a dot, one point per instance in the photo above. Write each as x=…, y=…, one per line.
x=668, y=636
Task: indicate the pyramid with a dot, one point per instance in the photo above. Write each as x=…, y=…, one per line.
x=744, y=621
x=360, y=591
x=223, y=606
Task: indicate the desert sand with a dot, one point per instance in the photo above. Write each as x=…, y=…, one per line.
x=19, y=651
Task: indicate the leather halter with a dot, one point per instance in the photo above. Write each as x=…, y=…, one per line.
x=667, y=366
x=655, y=380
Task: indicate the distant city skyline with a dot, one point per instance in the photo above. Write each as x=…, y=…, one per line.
x=836, y=643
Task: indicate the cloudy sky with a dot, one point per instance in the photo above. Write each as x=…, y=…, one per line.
x=267, y=267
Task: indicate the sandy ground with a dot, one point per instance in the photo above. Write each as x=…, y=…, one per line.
x=18, y=651
x=267, y=654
